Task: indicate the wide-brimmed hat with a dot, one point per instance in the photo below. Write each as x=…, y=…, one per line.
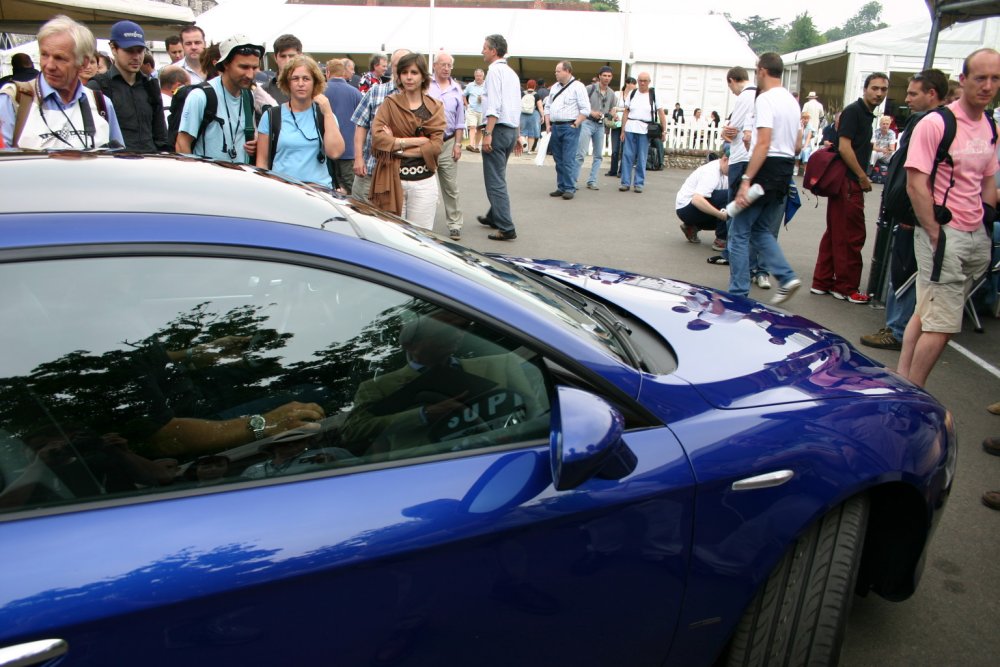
x=811, y=95
x=238, y=44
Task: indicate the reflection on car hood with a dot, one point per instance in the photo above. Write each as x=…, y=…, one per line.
x=735, y=351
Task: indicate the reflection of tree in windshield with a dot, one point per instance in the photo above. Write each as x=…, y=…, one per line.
x=115, y=389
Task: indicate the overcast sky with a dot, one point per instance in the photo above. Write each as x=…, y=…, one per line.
x=825, y=14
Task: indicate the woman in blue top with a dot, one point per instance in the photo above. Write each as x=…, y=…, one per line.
x=302, y=151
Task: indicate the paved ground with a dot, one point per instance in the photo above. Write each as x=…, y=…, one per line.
x=952, y=618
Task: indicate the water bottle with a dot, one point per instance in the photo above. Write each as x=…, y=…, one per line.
x=753, y=194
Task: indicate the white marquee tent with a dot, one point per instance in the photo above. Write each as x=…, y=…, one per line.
x=687, y=54
x=837, y=70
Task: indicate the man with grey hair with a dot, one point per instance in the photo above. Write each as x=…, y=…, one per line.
x=447, y=91
x=363, y=117
x=69, y=115
x=502, y=118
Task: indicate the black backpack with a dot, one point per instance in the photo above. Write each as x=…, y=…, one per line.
x=896, y=206
x=210, y=115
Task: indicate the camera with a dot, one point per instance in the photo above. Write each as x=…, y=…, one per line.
x=941, y=214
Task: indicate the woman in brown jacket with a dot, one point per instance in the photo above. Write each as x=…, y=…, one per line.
x=406, y=136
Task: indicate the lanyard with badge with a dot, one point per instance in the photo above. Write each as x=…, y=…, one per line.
x=88, y=119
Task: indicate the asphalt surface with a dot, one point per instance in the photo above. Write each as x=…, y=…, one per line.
x=951, y=620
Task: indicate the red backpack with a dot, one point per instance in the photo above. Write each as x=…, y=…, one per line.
x=825, y=173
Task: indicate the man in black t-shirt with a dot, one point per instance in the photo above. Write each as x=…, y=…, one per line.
x=838, y=262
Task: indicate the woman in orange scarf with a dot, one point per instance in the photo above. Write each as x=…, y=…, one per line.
x=406, y=136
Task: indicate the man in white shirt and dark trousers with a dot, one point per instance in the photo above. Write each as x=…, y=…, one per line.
x=502, y=117
x=772, y=160
x=566, y=108
x=701, y=201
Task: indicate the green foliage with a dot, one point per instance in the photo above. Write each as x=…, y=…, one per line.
x=604, y=5
x=867, y=19
x=762, y=34
x=802, y=34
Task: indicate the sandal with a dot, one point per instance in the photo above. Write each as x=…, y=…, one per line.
x=502, y=236
x=717, y=259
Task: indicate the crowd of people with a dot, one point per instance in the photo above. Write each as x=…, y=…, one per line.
x=394, y=136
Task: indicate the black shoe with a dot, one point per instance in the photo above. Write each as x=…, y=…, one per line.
x=502, y=236
x=567, y=195
x=483, y=220
x=612, y=174
x=557, y=193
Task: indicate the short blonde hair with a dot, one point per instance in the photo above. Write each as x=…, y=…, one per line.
x=84, y=44
x=301, y=60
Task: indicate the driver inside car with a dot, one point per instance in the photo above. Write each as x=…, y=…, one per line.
x=438, y=396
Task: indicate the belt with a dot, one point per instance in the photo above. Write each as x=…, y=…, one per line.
x=563, y=122
x=447, y=137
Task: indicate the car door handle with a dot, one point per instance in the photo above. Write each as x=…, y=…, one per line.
x=32, y=653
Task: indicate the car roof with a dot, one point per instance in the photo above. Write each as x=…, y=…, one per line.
x=118, y=181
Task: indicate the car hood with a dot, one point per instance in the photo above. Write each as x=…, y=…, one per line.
x=735, y=351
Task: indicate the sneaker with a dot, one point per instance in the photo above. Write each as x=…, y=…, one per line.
x=690, y=233
x=837, y=295
x=567, y=195
x=622, y=188
x=883, y=340
x=556, y=193
x=763, y=281
x=455, y=234
x=592, y=186
x=818, y=292
x=718, y=260
x=786, y=291
x=992, y=446
x=637, y=190
x=719, y=245
x=994, y=409
x=858, y=297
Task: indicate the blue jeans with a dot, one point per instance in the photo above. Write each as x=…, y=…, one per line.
x=754, y=224
x=591, y=132
x=634, y=154
x=756, y=266
x=898, y=311
x=495, y=177
x=565, y=138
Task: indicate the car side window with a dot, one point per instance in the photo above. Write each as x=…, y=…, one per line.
x=133, y=375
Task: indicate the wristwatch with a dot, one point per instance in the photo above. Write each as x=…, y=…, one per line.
x=257, y=424
x=744, y=177
x=486, y=133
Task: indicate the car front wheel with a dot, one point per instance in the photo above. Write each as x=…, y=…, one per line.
x=800, y=614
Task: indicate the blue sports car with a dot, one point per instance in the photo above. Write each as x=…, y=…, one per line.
x=245, y=421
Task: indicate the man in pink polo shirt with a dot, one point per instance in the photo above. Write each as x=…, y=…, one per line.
x=952, y=250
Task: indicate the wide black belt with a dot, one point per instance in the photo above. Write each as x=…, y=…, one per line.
x=563, y=122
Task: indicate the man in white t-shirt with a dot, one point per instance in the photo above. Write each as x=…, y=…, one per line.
x=738, y=131
x=701, y=201
x=641, y=108
x=772, y=160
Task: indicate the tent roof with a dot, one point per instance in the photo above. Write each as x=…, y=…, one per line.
x=157, y=19
x=955, y=11
x=906, y=39
x=530, y=33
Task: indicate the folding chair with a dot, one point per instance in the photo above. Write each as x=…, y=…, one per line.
x=989, y=281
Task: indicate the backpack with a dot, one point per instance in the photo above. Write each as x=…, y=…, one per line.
x=896, y=206
x=210, y=115
x=528, y=102
x=825, y=173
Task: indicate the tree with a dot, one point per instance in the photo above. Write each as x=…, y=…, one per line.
x=761, y=34
x=604, y=5
x=801, y=34
x=867, y=19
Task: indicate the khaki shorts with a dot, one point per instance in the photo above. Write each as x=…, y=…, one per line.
x=473, y=118
x=966, y=257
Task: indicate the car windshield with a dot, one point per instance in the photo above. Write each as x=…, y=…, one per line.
x=494, y=274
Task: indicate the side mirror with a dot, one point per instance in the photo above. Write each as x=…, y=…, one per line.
x=586, y=440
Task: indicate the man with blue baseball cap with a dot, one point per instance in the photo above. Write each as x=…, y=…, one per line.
x=136, y=96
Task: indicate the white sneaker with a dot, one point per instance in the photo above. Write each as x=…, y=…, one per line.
x=786, y=291
x=762, y=281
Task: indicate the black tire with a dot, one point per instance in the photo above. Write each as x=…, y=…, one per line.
x=800, y=613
